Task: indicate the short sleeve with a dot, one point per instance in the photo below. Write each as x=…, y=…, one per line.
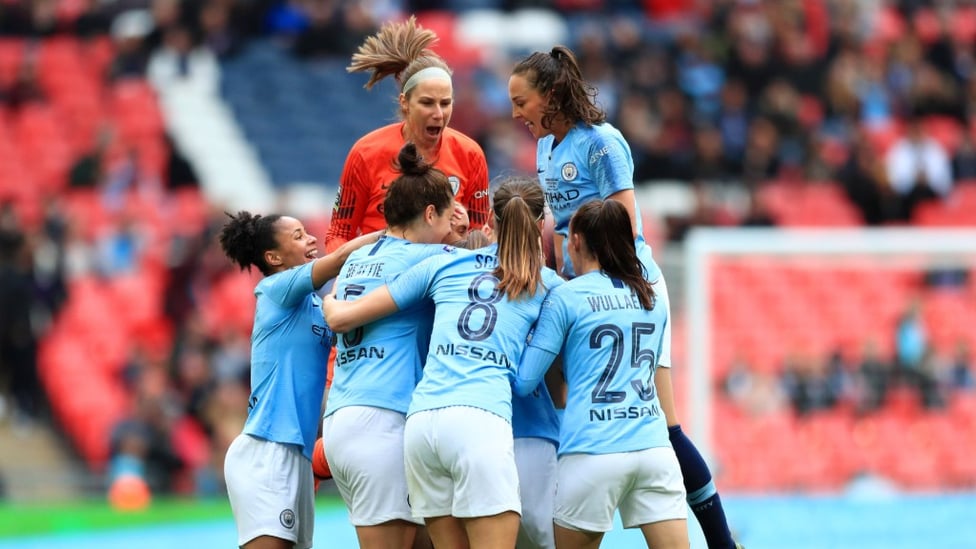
x=288, y=288
x=610, y=165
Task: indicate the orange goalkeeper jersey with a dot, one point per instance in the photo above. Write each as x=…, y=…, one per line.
x=369, y=169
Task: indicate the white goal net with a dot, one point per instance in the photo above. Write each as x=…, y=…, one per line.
x=782, y=331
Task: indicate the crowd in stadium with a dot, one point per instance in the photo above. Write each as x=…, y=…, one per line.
x=877, y=98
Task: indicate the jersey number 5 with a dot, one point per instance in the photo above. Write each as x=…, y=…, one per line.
x=639, y=356
x=353, y=338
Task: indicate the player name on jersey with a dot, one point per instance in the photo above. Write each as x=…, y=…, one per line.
x=613, y=302
x=369, y=270
x=485, y=261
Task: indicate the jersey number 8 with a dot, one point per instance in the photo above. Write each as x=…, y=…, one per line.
x=483, y=305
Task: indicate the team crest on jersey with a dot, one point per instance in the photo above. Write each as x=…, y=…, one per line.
x=569, y=171
x=287, y=518
x=455, y=182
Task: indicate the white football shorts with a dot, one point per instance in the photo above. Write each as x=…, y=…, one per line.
x=271, y=490
x=646, y=486
x=460, y=461
x=364, y=448
x=535, y=459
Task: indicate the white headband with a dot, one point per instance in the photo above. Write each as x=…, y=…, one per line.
x=425, y=74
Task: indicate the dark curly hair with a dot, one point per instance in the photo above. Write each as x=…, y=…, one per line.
x=246, y=237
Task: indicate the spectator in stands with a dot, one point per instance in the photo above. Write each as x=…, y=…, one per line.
x=911, y=338
x=285, y=19
x=708, y=162
x=732, y=119
x=88, y=169
x=932, y=92
x=216, y=30
x=865, y=181
x=18, y=342
x=756, y=214
x=750, y=58
x=129, y=31
x=875, y=376
x=916, y=361
x=927, y=380
x=48, y=245
x=918, y=168
x=268, y=467
x=807, y=382
x=780, y=104
x=166, y=14
x=142, y=441
x=425, y=104
x=25, y=89
x=702, y=214
x=181, y=59
x=760, y=161
x=964, y=159
x=698, y=73
x=120, y=247
x=335, y=29
x=962, y=376
x=30, y=19
x=757, y=393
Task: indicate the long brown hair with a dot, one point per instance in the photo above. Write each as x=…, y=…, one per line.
x=557, y=75
x=605, y=227
x=518, y=205
x=399, y=49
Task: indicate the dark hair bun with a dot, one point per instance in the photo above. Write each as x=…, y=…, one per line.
x=410, y=162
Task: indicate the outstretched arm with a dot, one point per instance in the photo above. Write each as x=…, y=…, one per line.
x=343, y=316
x=532, y=368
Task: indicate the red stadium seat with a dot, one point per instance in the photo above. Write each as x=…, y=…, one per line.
x=11, y=56
x=191, y=443
x=809, y=204
x=947, y=130
x=964, y=24
x=889, y=25
x=444, y=23
x=926, y=25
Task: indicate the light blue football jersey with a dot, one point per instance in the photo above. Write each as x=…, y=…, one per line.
x=610, y=347
x=478, y=334
x=534, y=415
x=590, y=163
x=380, y=363
x=290, y=346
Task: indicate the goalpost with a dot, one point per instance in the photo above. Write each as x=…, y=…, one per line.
x=943, y=247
